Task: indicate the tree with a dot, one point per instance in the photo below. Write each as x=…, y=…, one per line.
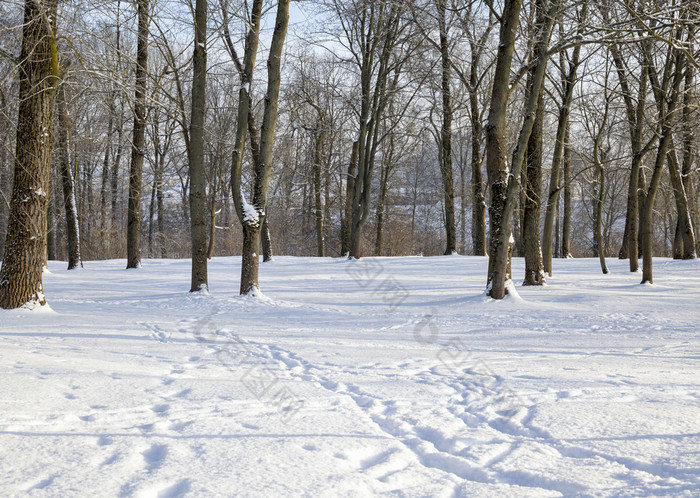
x=133, y=237
x=502, y=177
x=25, y=244
x=567, y=94
x=372, y=32
x=252, y=215
x=198, y=195
x=64, y=159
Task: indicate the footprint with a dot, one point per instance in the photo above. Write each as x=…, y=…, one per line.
x=69, y=396
x=160, y=409
x=104, y=441
x=179, y=426
x=180, y=488
x=111, y=460
x=44, y=483
x=154, y=456
x=183, y=393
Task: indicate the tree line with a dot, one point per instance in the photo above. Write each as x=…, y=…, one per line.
x=539, y=128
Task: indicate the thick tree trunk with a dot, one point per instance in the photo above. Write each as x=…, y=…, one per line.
x=198, y=182
x=133, y=237
x=25, y=245
x=250, y=260
x=64, y=148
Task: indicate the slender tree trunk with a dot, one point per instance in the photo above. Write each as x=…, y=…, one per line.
x=387, y=164
x=446, y=132
x=569, y=82
x=598, y=162
x=25, y=245
x=64, y=144
x=566, y=222
x=266, y=239
x=133, y=238
x=105, y=174
x=252, y=216
x=51, y=224
x=198, y=182
x=496, y=152
x=349, y=193
x=318, y=204
x=504, y=184
x=534, y=268
x=667, y=110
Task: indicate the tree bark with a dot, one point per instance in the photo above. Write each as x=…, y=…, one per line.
x=534, y=268
x=133, y=237
x=446, y=131
x=198, y=182
x=569, y=82
x=504, y=184
x=496, y=152
x=667, y=109
x=318, y=204
x=252, y=216
x=566, y=222
x=64, y=147
x=25, y=245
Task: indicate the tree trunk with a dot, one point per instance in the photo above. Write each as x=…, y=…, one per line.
x=64, y=144
x=51, y=223
x=105, y=175
x=496, y=152
x=252, y=216
x=133, y=237
x=666, y=108
x=446, y=132
x=566, y=222
x=25, y=245
x=534, y=269
x=198, y=182
x=504, y=184
x=318, y=204
x=568, y=81
x=266, y=240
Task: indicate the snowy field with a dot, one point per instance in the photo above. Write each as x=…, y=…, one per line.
x=391, y=376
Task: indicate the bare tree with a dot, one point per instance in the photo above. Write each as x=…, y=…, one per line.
x=252, y=215
x=64, y=159
x=133, y=238
x=25, y=244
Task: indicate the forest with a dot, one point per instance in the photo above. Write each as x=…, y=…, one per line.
x=191, y=129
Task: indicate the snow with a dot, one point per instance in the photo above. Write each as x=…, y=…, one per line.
x=353, y=378
x=250, y=214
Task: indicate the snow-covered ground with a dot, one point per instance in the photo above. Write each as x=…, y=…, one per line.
x=379, y=376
